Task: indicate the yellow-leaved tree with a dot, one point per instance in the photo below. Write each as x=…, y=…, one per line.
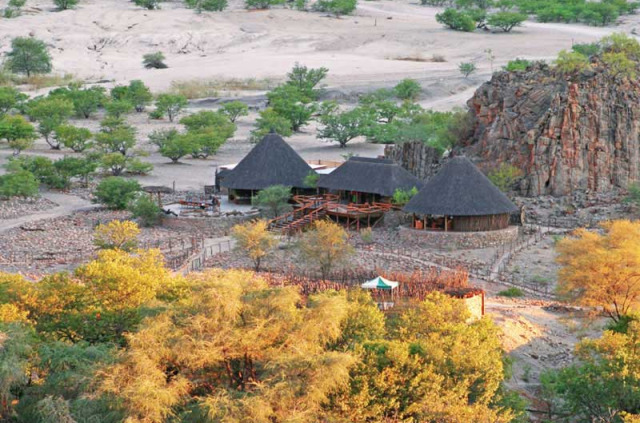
x=326, y=246
x=255, y=240
x=602, y=270
x=118, y=234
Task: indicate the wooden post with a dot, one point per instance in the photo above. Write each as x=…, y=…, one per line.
x=445, y=223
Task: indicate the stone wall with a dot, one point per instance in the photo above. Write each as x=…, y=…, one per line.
x=210, y=227
x=459, y=240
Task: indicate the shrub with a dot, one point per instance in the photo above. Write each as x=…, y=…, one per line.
x=587, y=49
x=572, y=62
x=291, y=103
x=42, y=168
x=505, y=176
x=18, y=184
x=116, y=192
x=336, y=7
x=506, y=21
x=620, y=65
x=234, y=110
x=77, y=139
x=407, y=89
x=16, y=127
x=145, y=210
x=511, y=292
x=148, y=4
x=65, y=4
x=456, y=20
x=254, y=239
x=467, y=68
x=10, y=98
x=207, y=5
x=517, y=65
x=270, y=121
x=154, y=61
x=599, y=14
x=171, y=105
x=307, y=79
x=261, y=4
x=20, y=144
x=402, y=196
x=117, y=108
x=86, y=101
x=28, y=56
x=178, y=146
x=50, y=113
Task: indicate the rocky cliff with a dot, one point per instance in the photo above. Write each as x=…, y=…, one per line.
x=566, y=133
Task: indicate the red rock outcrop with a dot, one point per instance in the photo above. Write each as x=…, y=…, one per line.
x=565, y=133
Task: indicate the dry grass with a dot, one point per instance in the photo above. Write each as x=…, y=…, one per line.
x=201, y=88
x=436, y=58
x=35, y=81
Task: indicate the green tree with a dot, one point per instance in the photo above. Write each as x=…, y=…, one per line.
x=154, y=61
x=273, y=201
x=262, y=4
x=77, y=139
x=506, y=21
x=342, y=127
x=42, y=168
x=65, y=4
x=206, y=5
x=119, y=138
x=456, y=20
x=171, y=104
x=86, y=101
x=10, y=98
x=176, y=147
x=116, y=192
x=291, y=103
x=145, y=210
x=50, y=113
x=18, y=184
x=148, y=4
x=517, y=65
x=28, y=56
x=467, y=68
x=408, y=89
x=135, y=93
x=270, y=121
x=505, y=176
x=234, y=110
x=620, y=65
x=599, y=14
x=307, y=79
x=76, y=167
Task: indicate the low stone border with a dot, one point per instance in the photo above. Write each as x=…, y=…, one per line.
x=460, y=240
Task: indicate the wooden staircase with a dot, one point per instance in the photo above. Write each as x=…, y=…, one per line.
x=308, y=210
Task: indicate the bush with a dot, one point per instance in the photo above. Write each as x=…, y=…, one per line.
x=28, y=56
x=10, y=98
x=117, y=108
x=599, y=14
x=207, y=5
x=467, y=68
x=307, y=79
x=148, y=4
x=154, y=61
x=116, y=192
x=273, y=201
x=86, y=101
x=270, y=121
x=456, y=20
x=18, y=184
x=506, y=21
x=505, y=176
x=587, y=49
x=336, y=7
x=403, y=196
x=77, y=139
x=572, y=62
x=407, y=89
x=511, y=292
x=42, y=168
x=517, y=65
x=146, y=210
x=261, y=4
x=291, y=103
x=117, y=235
x=178, y=146
x=65, y=4
x=50, y=113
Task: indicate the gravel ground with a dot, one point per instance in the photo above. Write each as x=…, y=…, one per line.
x=16, y=207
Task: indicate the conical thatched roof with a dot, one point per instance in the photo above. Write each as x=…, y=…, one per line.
x=271, y=162
x=460, y=189
x=374, y=176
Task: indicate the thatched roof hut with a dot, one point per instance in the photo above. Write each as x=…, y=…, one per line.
x=369, y=176
x=462, y=192
x=271, y=162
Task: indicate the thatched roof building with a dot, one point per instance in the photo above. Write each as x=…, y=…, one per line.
x=466, y=198
x=271, y=162
x=377, y=178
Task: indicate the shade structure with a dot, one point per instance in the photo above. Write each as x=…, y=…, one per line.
x=271, y=162
x=379, y=283
x=369, y=175
x=460, y=189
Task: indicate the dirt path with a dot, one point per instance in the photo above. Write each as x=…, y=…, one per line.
x=67, y=204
